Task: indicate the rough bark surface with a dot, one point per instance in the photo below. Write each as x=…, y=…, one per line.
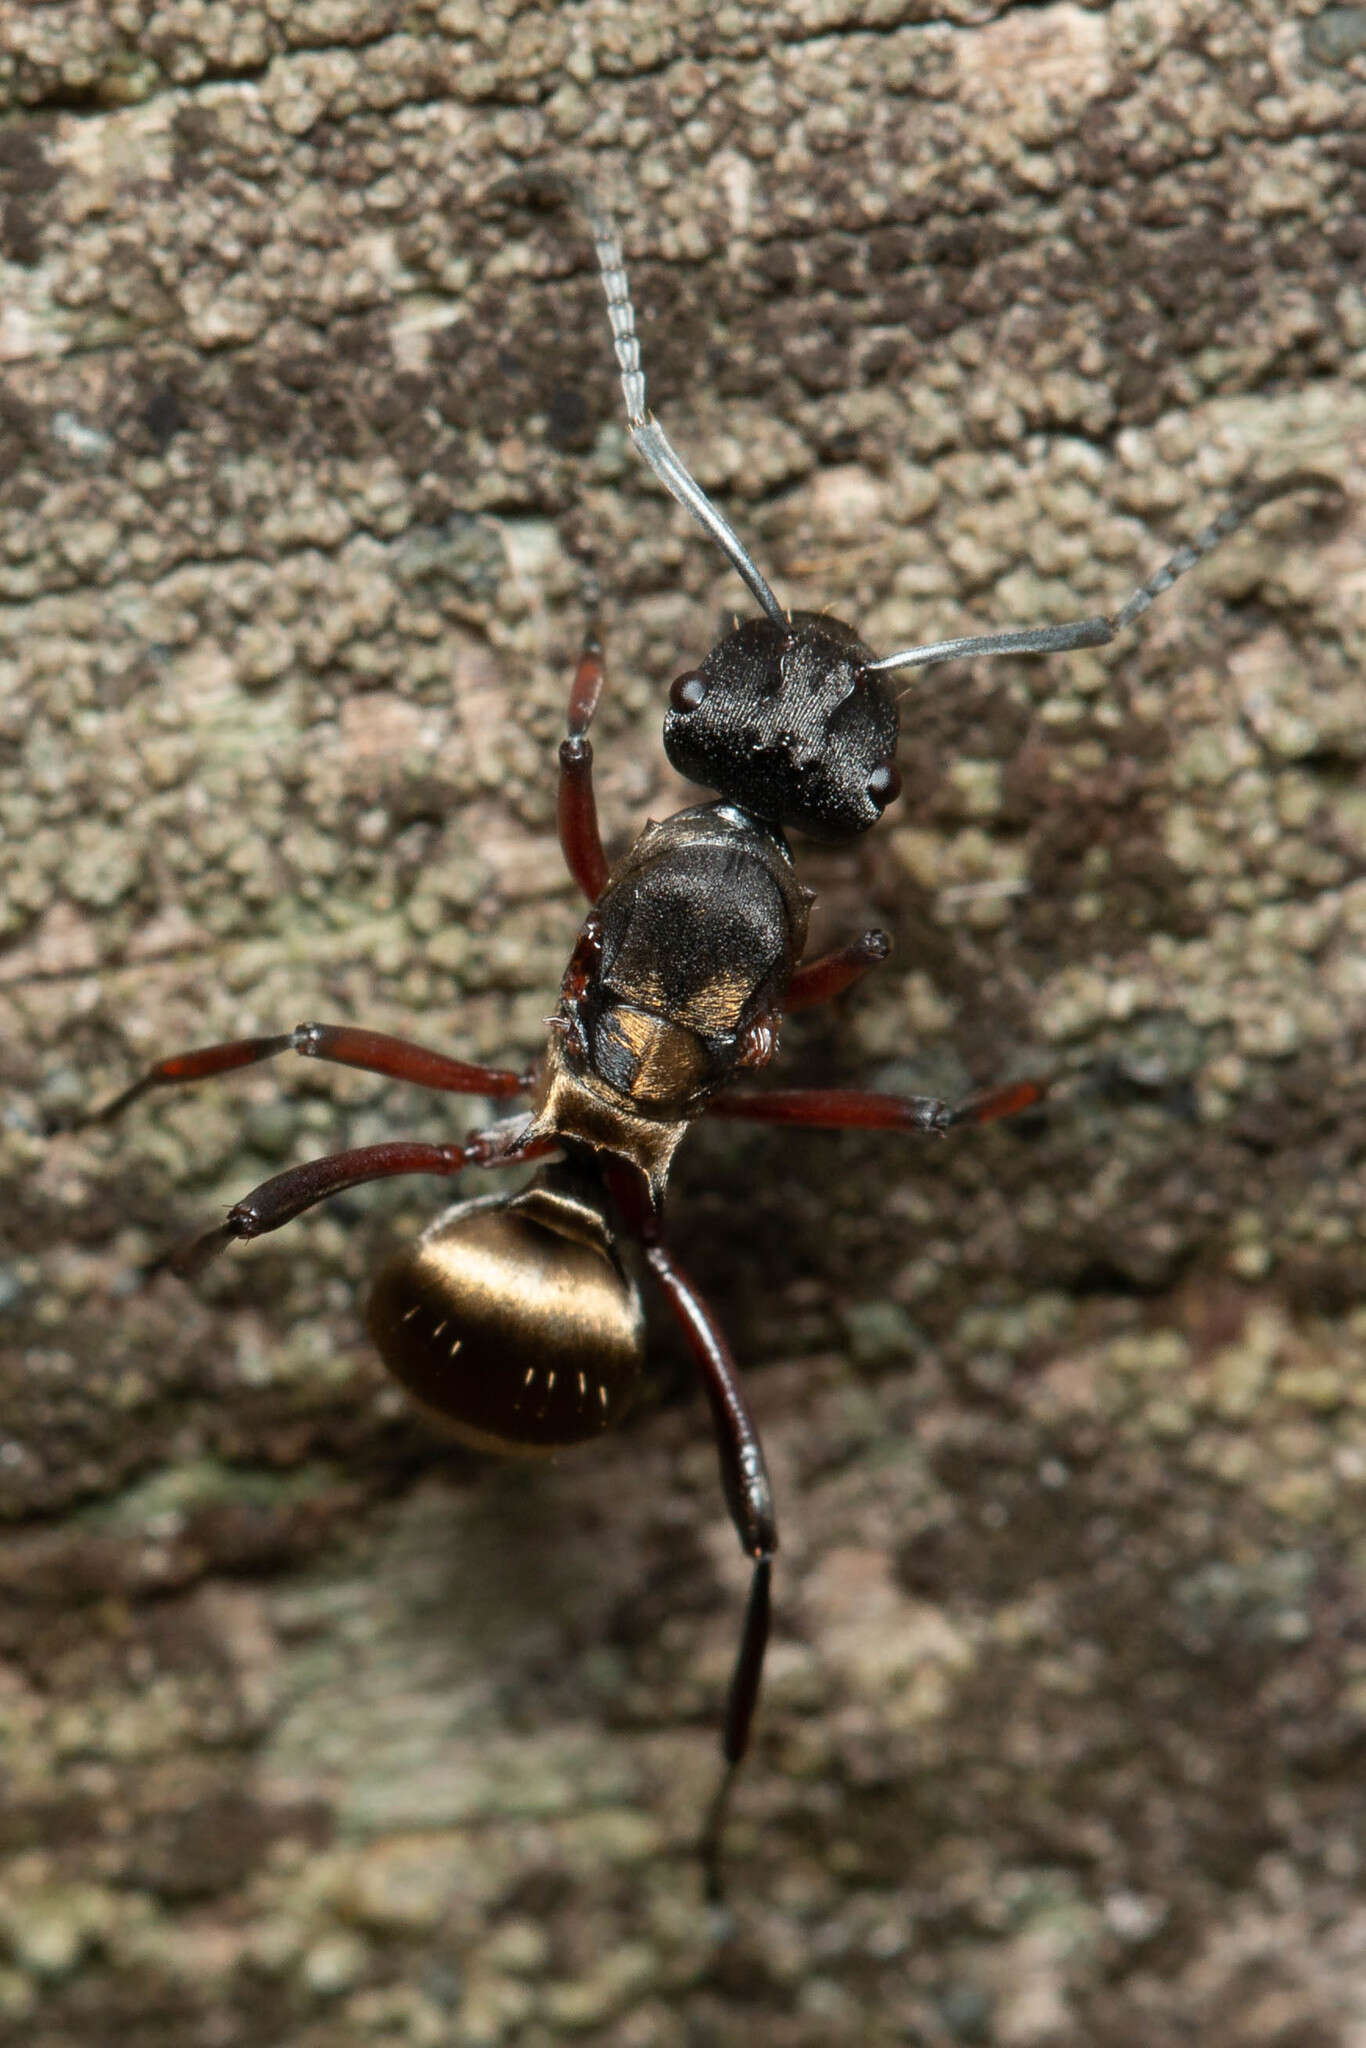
x=313, y=1731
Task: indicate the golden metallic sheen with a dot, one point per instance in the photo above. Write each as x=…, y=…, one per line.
x=513, y=1323
x=582, y=1108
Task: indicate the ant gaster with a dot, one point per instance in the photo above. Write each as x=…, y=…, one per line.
x=513, y=1320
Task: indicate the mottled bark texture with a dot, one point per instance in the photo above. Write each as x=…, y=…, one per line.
x=314, y=1732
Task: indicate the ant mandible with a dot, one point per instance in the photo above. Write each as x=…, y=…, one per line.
x=513, y=1320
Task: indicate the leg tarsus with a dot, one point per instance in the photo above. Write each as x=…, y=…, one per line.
x=713, y=1835
x=992, y=1103
x=188, y=1260
x=740, y=1703
x=345, y=1045
x=200, y=1064
x=850, y=1109
x=587, y=685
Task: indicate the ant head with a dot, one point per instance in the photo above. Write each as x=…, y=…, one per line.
x=790, y=721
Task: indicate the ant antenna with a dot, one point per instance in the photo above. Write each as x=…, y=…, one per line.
x=1104, y=626
x=646, y=431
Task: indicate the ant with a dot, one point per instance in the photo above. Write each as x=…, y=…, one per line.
x=513, y=1320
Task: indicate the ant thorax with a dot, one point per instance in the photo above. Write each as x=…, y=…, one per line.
x=675, y=983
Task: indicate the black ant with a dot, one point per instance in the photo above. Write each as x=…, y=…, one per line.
x=512, y=1319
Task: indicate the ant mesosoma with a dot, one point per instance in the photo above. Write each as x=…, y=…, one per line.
x=513, y=1320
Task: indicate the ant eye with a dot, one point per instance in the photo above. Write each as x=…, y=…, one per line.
x=884, y=785
x=687, y=691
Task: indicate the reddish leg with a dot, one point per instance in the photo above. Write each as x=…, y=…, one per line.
x=848, y=1109
x=815, y=981
x=279, y=1200
x=577, y=810
x=744, y=1480
x=373, y=1051
x=743, y=1474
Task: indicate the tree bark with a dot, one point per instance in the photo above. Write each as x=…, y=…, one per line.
x=313, y=461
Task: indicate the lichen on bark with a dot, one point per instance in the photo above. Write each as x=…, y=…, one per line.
x=316, y=1732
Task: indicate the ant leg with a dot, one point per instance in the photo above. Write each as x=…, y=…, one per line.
x=372, y=1051
x=849, y=1109
x=279, y=1200
x=577, y=809
x=744, y=1480
x=815, y=981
